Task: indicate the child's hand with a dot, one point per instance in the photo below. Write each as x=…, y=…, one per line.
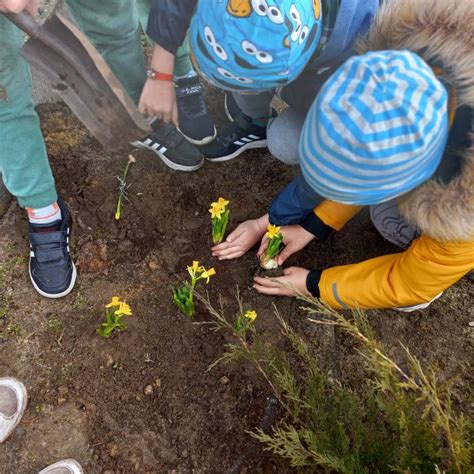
x=17, y=6
x=294, y=277
x=158, y=100
x=295, y=238
x=242, y=239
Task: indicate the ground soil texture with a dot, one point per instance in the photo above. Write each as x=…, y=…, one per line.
x=87, y=395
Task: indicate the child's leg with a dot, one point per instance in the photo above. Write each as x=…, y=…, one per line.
x=392, y=225
x=26, y=173
x=114, y=29
x=255, y=106
x=283, y=136
x=23, y=160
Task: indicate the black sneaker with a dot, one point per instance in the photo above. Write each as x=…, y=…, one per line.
x=52, y=270
x=171, y=146
x=195, y=123
x=242, y=134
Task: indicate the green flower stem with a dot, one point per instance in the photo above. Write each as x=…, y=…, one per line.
x=219, y=227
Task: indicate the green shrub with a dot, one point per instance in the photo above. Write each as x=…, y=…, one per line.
x=397, y=421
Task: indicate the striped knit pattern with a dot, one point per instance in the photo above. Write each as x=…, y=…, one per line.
x=377, y=129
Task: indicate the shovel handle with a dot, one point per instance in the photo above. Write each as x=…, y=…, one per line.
x=26, y=23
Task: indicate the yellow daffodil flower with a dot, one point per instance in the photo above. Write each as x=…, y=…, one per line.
x=221, y=202
x=115, y=302
x=251, y=315
x=124, y=309
x=216, y=211
x=272, y=231
x=208, y=273
x=193, y=269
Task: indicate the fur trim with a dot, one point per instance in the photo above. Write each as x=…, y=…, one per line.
x=444, y=213
x=442, y=33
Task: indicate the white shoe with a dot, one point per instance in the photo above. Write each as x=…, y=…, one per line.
x=66, y=466
x=13, y=399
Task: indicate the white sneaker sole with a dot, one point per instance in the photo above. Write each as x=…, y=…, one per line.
x=56, y=295
x=166, y=161
x=203, y=141
x=22, y=398
x=247, y=146
x=229, y=116
x=70, y=464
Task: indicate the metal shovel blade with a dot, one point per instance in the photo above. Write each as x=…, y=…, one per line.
x=64, y=56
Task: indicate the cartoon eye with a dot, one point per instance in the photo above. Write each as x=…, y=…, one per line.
x=211, y=39
x=295, y=14
x=249, y=48
x=275, y=15
x=225, y=73
x=220, y=53
x=304, y=33
x=296, y=32
x=260, y=7
x=209, y=35
x=264, y=57
x=244, y=80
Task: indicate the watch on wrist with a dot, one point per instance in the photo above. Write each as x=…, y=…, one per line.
x=159, y=76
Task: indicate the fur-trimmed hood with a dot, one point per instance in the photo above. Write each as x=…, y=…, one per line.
x=442, y=33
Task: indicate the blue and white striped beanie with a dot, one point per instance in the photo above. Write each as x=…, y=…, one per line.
x=377, y=129
x=254, y=45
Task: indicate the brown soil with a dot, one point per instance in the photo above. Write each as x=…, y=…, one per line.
x=87, y=397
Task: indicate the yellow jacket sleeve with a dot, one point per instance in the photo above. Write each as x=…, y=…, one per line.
x=408, y=278
x=335, y=214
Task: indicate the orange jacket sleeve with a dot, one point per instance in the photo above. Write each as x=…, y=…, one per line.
x=408, y=278
x=335, y=214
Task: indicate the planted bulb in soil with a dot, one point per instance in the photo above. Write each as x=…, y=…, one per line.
x=268, y=263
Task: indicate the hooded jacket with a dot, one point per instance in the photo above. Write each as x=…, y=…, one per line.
x=442, y=211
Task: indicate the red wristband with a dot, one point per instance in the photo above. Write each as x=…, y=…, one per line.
x=159, y=76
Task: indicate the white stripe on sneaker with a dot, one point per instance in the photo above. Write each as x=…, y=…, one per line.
x=237, y=142
x=163, y=149
x=246, y=140
x=253, y=137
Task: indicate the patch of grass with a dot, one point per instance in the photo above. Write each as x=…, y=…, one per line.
x=4, y=307
x=54, y=324
x=14, y=329
x=396, y=420
x=39, y=409
x=9, y=266
x=80, y=302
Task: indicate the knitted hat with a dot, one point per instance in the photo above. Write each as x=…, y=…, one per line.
x=254, y=45
x=377, y=129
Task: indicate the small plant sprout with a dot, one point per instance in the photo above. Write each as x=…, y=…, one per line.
x=275, y=238
x=244, y=321
x=219, y=218
x=123, y=187
x=183, y=297
x=114, y=312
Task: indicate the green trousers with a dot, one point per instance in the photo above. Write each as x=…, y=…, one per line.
x=113, y=26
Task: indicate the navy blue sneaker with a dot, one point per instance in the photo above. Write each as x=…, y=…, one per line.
x=242, y=134
x=172, y=148
x=195, y=122
x=52, y=270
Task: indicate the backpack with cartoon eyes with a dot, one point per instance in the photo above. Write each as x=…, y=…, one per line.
x=254, y=45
